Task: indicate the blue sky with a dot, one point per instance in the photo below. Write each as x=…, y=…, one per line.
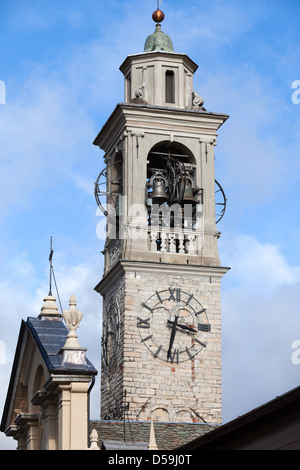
x=60, y=65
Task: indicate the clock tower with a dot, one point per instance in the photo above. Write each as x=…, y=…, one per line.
x=161, y=333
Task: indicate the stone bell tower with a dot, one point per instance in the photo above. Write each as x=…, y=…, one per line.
x=161, y=335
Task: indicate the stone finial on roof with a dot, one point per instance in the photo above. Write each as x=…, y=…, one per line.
x=73, y=352
x=49, y=309
x=94, y=440
x=152, y=441
x=72, y=319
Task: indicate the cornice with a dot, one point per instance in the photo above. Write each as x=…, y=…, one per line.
x=126, y=266
x=127, y=114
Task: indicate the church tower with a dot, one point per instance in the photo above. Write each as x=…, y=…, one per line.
x=161, y=334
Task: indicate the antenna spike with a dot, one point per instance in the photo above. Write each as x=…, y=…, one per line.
x=52, y=275
x=51, y=267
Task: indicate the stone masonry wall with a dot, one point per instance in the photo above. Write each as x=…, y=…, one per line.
x=185, y=392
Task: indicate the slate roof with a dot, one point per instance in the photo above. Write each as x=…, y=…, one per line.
x=124, y=445
x=168, y=436
x=50, y=337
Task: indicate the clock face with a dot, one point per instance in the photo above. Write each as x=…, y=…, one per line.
x=173, y=325
x=110, y=334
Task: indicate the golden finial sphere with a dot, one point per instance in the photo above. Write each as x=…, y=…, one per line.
x=158, y=16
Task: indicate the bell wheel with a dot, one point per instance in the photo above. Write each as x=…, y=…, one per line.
x=220, y=201
x=107, y=191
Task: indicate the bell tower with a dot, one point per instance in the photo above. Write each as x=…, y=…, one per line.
x=161, y=334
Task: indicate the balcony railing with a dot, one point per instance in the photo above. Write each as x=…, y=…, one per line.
x=170, y=241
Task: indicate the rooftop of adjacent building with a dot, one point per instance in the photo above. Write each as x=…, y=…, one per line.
x=168, y=435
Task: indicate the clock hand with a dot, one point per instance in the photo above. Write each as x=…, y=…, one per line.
x=184, y=327
x=189, y=328
x=172, y=337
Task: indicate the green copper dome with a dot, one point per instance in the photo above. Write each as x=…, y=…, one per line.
x=158, y=41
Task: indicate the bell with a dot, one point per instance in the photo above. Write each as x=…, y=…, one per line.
x=188, y=197
x=159, y=195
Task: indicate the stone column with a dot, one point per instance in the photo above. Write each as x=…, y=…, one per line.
x=32, y=435
x=78, y=415
x=64, y=406
x=49, y=426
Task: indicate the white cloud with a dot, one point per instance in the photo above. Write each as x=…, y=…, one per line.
x=257, y=265
x=212, y=25
x=41, y=136
x=30, y=17
x=260, y=321
x=84, y=183
x=251, y=155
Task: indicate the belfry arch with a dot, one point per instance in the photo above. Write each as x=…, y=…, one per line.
x=171, y=189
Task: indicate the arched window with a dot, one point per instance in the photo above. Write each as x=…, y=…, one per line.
x=170, y=86
x=115, y=182
x=39, y=380
x=160, y=414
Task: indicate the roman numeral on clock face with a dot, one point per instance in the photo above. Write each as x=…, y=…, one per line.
x=174, y=294
x=146, y=339
x=143, y=323
x=174, y=356
x=204, y=327
x=147, y=306
x=158, y=351
x=188, y=353
x=200, y=311
x=189, y=299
